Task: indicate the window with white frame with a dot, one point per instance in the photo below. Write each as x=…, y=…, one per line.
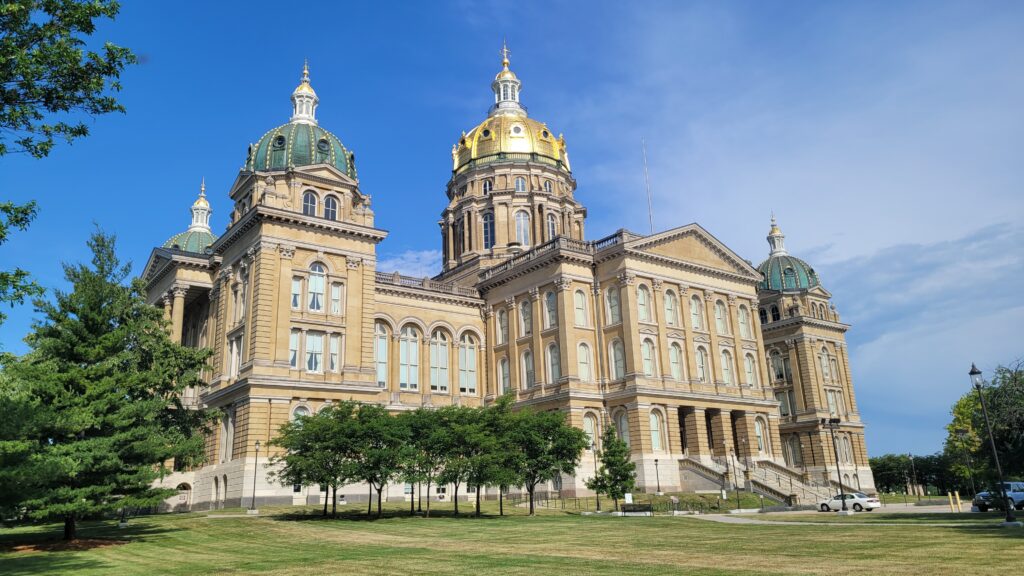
x=236, y=356
x=240, y=294
x=315, y=290
x=552, y=226
x=488, y=220
x=547, y=186
x=647, y=355
x=293, y=349
x=554, y=363
x=527, y=370
x=727, y=367
x=618, y=360
x=696, y=315
x=525, y=318
x=520, y=184
x=523, y=228
x=622, y=426
x=309, y=203
x=834, y=368
x=439, y=361
x=721, y=318
x=702, y=364
x=409, y=358
x=671, y=308
x=380, y=353
x=502, y=326
x=590, y=429
x=334, y=353
x=744, y=322
x=675, y=360
x=580, y=308
x=467, y=364
x=504, y=376
x=337, y=296
x=783, y=400
x=331, y=208
x=614, y=310
x=750, y=369
x=227, y=436
x=300, y=412
x=583, y=362
x=314, y=351
x=823, y=363
x=550, y=310
x=488, y=186
x=656, y=431
x=759, y=434
x=643, y=303
x=296, y=293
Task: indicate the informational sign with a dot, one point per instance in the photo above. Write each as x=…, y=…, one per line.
x=629, y=497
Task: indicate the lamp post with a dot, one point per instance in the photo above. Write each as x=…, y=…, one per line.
x=657, y=476
x=961, y=433
x=976, y=380
x=252, y=507
x=832, y=424
x=913, y=476
x=746, y=463
x=735, y=485
x=597, y=493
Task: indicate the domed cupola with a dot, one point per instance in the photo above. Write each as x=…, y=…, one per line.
x=198, y=238
x=300, y=142
x=508, y=134
x=782, y=272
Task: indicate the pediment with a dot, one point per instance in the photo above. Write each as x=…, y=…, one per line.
x=692, y=243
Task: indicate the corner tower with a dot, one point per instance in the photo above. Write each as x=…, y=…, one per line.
x=511, y=187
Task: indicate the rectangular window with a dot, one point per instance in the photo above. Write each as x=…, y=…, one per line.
x=336, y=290
x=335, y=353
x=296, y=488
x=314, y=351
x=783, y=399
x=833, y=409
x=236, y=356
x=296, y=293
x=293, y=349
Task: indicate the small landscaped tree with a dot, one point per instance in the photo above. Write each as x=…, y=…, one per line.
x=617, y=474
x=548, y=447
x=380, y=449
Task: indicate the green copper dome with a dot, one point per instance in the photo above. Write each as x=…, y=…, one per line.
x=299, y=144
x=196, y=241
x=784, y=272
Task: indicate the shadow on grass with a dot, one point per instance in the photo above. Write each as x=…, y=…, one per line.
x=361, y=516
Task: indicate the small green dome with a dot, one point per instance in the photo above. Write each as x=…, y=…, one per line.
x=197, y=241
x=299, y=144
x=785, y=272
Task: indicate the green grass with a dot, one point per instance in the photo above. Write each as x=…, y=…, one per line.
x=296, y=541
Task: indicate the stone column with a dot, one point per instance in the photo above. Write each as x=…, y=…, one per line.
x=721, y=428
x=745, y=431
x=167, y=300
x=512, y=348
x=567, y=353
x=777, y=448
x=630, y=327
x=178, y=312
x=755, y=327
x=672, y=425
x=697, y=445
x=537, y=344
x=284, y=305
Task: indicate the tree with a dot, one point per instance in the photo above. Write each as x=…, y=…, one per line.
x=508, y=461
x=617, y=474
x=380, y=448
x=423, y=459
x=106, y=381
x=15, y=286
x=549, y=447
x=48, y=80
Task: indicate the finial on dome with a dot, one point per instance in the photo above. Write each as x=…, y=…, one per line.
x=201, y=210
x=776, y=239
x=202, y=188
x=506, y=87
x=304, y=99
x=305, y=71
x=504, y=54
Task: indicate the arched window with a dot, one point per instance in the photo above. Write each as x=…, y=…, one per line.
x=656, y=431
x=504, y=376
x=759, y=434
x=750, y=369
x=309, y=202
x=523, y=228
x=590, y=428
x=488, y=186
x=554, y=363
x=488, y=220
x=622, y=425
x=618, y=360
x=380, y=353
x=643, y=303
x=583, y=362
x=300, y=412
x=439, y=361
x=331, y=208
x=527, y=370
x=502, y=326
x=409, y=358
x=647, y=354
x=763, y=315
x=675, y=360
x=721, y=318
x=580, y=308
x=550, y=310
x=614, y=311
x=775, y=313
x=525, y=318
x=467, y=364
x=671, y=308
x=696, y=316
x=727, y=367
x=520, y=184
x=823, y=362
x=834, y=367
x=744, y=322
x=316, y=287
x=702, y=364
x=547, y=186
x=552, y=226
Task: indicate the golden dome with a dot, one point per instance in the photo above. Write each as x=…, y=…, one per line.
x=510, y=133
x=201, y=201
x=304, y=86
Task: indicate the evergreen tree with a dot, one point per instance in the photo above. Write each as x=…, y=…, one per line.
x=617, y=474
x=106, y=383
x=548, y=447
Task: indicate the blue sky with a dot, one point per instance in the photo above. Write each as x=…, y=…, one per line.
x=886, y=137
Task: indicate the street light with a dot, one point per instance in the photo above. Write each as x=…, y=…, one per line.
x=735, y=485
x=254, y=472
x=961, y=433
x=832, y=424
x=657, y=475
x=597, y=493
x=976, y=380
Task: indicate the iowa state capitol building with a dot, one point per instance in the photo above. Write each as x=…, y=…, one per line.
x=716, y=373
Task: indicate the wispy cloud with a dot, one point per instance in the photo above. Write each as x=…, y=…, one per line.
x=411, y=262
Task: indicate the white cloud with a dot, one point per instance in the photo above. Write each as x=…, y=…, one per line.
x=417, y=263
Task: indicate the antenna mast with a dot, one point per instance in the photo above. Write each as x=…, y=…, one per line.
x=647, y=183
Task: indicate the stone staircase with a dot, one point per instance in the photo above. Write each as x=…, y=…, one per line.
x=766, y=478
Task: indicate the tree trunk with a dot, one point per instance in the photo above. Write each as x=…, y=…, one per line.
x=616, y=504
x=478, y=501
x=530, y=490
x=69, y=527
x=412, y=501
x=379, y=489
x=501, y=501
x=419, y=497
x=369, y=504
x=456, y=499
x=428, y=496
x=326, y=496
x=334, y=502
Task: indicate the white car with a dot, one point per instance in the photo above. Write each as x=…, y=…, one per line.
x=856, y=501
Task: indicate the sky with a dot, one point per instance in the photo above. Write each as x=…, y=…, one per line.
x=886, y=137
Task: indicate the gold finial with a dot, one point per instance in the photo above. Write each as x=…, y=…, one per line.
x=202, y=188
x=775, y=227
x=305, y=71
x=504, y=53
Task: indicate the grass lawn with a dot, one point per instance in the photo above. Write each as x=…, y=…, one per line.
x=287, y=541
x=973, y=519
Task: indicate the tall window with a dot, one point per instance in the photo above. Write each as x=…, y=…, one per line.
x=823, y=361
x=380, y=353
x=316, y=287
x=702, y=364
x=334, y=353
x=763, y=315
x=309, y=204
x=643, y=304
x=759, y=434
x=583, y=362
x=523, y=228
x=618, y=360
x=236, y=356
x=439, y=361
x=552, y=226
x=775, y=313
x=488, y=186
x=554, y=363
x=834, y=367
x=614, y=311
x=744, y=322
x=467, y=364
x=721, y=318
x=696, y=317
x=293, y=349
x=750, y=369
x=647, y=354
x=727, y=367
x=783, y=400
x=488, y=229
x=525, y=318
x=336, y=290
x=547, y=186
x=550, y=310
x=675, y=360
x=314, y=351
x=505, y=376
x=590, y=428
x=520, y=184
x=656, y=435
x=622, y=425
x=671, y=308
x=331, y=208
x=243, y=286
x=502, y=326
x=580, y=308
x=296, y=293
x=527, y=371
x=409, y=358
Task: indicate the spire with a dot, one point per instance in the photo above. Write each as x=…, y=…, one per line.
x=201, y=210
x=776, y=239
x=506, y=88
x=304, y=99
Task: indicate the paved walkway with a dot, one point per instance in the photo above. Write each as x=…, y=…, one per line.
x=735, y=519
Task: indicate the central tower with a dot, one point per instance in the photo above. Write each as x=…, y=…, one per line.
x=511, y=187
